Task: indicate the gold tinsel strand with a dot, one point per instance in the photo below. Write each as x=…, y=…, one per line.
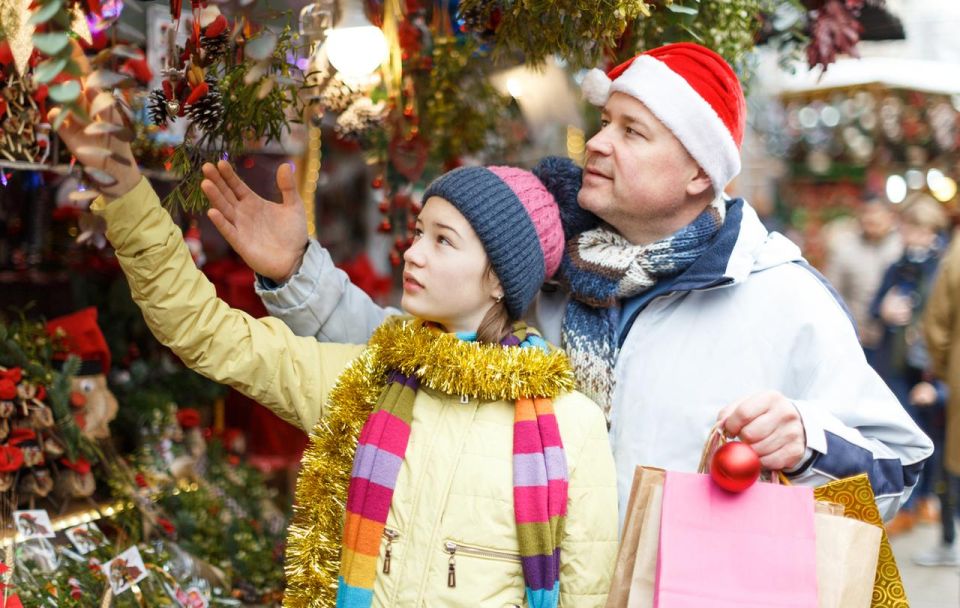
x=441, y=362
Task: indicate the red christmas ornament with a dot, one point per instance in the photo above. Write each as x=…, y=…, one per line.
x=395, y=259
x=384, y=206
x=8, y=390
x=188, y=417
x=11, y=458
x=385, y=226
x=735, y=467
x=377, y=183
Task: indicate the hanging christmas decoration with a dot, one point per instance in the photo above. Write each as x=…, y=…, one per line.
x=204, y=106
x=360, y=118
x=24, y=131
x=233, y=83
x=338, y=94
x=573, y=29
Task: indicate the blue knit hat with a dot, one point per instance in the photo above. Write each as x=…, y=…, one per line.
x=521, y=219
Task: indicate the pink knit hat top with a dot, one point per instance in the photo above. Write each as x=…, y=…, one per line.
x=542, y=209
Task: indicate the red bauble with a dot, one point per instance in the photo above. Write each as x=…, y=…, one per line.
x=735, y=467
x=8, y=390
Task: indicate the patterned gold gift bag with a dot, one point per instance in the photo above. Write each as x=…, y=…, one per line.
x=856, y=496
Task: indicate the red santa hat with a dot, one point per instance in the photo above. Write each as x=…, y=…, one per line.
x=694, y=92
x=84, y=339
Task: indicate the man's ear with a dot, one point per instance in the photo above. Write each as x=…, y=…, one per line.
x=699, y=184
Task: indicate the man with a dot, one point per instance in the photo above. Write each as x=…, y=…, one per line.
x=857, y=261
x=941, y=329
x=677, y=310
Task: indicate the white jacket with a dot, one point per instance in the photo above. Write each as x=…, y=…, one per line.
x=749, y=315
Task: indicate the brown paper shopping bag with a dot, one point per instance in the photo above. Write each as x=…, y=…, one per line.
x=636, y=568
x=847, y=553
x=856, y=496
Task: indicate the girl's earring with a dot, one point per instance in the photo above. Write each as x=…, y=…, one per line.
x=498, y=299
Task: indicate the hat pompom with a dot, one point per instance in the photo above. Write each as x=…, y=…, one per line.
x=596, y=87
x=562, y=177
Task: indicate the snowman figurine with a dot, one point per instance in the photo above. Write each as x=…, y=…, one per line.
x=94, y=406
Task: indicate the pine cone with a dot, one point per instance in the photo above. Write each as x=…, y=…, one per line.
x=207, y=112
x=214, y=47
x=157, y=108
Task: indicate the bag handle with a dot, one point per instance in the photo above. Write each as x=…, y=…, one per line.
x=715, y=440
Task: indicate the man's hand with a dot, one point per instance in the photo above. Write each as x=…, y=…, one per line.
x=271, y=238
x=896, y=309
x=923, y=394
x=771, y=425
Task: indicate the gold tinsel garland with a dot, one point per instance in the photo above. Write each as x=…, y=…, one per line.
x=441, y=362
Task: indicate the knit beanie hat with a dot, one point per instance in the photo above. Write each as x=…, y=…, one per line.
x=694, y=92
x=519, y=216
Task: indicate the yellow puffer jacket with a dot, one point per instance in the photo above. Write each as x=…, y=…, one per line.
x=454, y=493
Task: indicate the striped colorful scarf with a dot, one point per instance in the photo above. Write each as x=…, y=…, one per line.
x=601, y=268
x=539, y=487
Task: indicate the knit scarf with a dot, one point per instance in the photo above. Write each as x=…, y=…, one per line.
x=601, y=268
x=406, y=354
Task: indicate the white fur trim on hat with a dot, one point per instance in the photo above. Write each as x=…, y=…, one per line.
x=596, y=87
x=678, y=106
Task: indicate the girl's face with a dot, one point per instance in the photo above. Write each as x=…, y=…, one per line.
x=445, y=276
x=917, y=237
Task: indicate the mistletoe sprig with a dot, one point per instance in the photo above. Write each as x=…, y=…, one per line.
x=577, y=30
x=236, y=88
x=464, y=107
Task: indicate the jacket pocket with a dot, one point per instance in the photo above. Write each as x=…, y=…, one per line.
x=456, y=549
x=482, y=576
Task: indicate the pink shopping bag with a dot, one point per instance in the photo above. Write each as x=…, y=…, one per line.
x=723, y=550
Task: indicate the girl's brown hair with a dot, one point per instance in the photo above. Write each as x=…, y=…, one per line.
x=497, y=323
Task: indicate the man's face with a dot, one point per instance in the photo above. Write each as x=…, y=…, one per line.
x=637, y=173
x=876, y=221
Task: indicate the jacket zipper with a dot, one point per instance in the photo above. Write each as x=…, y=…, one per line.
x=390, y=535
x=453, y=548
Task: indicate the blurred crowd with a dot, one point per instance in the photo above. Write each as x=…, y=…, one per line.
x=898, y=270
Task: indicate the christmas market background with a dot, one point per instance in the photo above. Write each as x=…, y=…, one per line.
x=104, y=431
